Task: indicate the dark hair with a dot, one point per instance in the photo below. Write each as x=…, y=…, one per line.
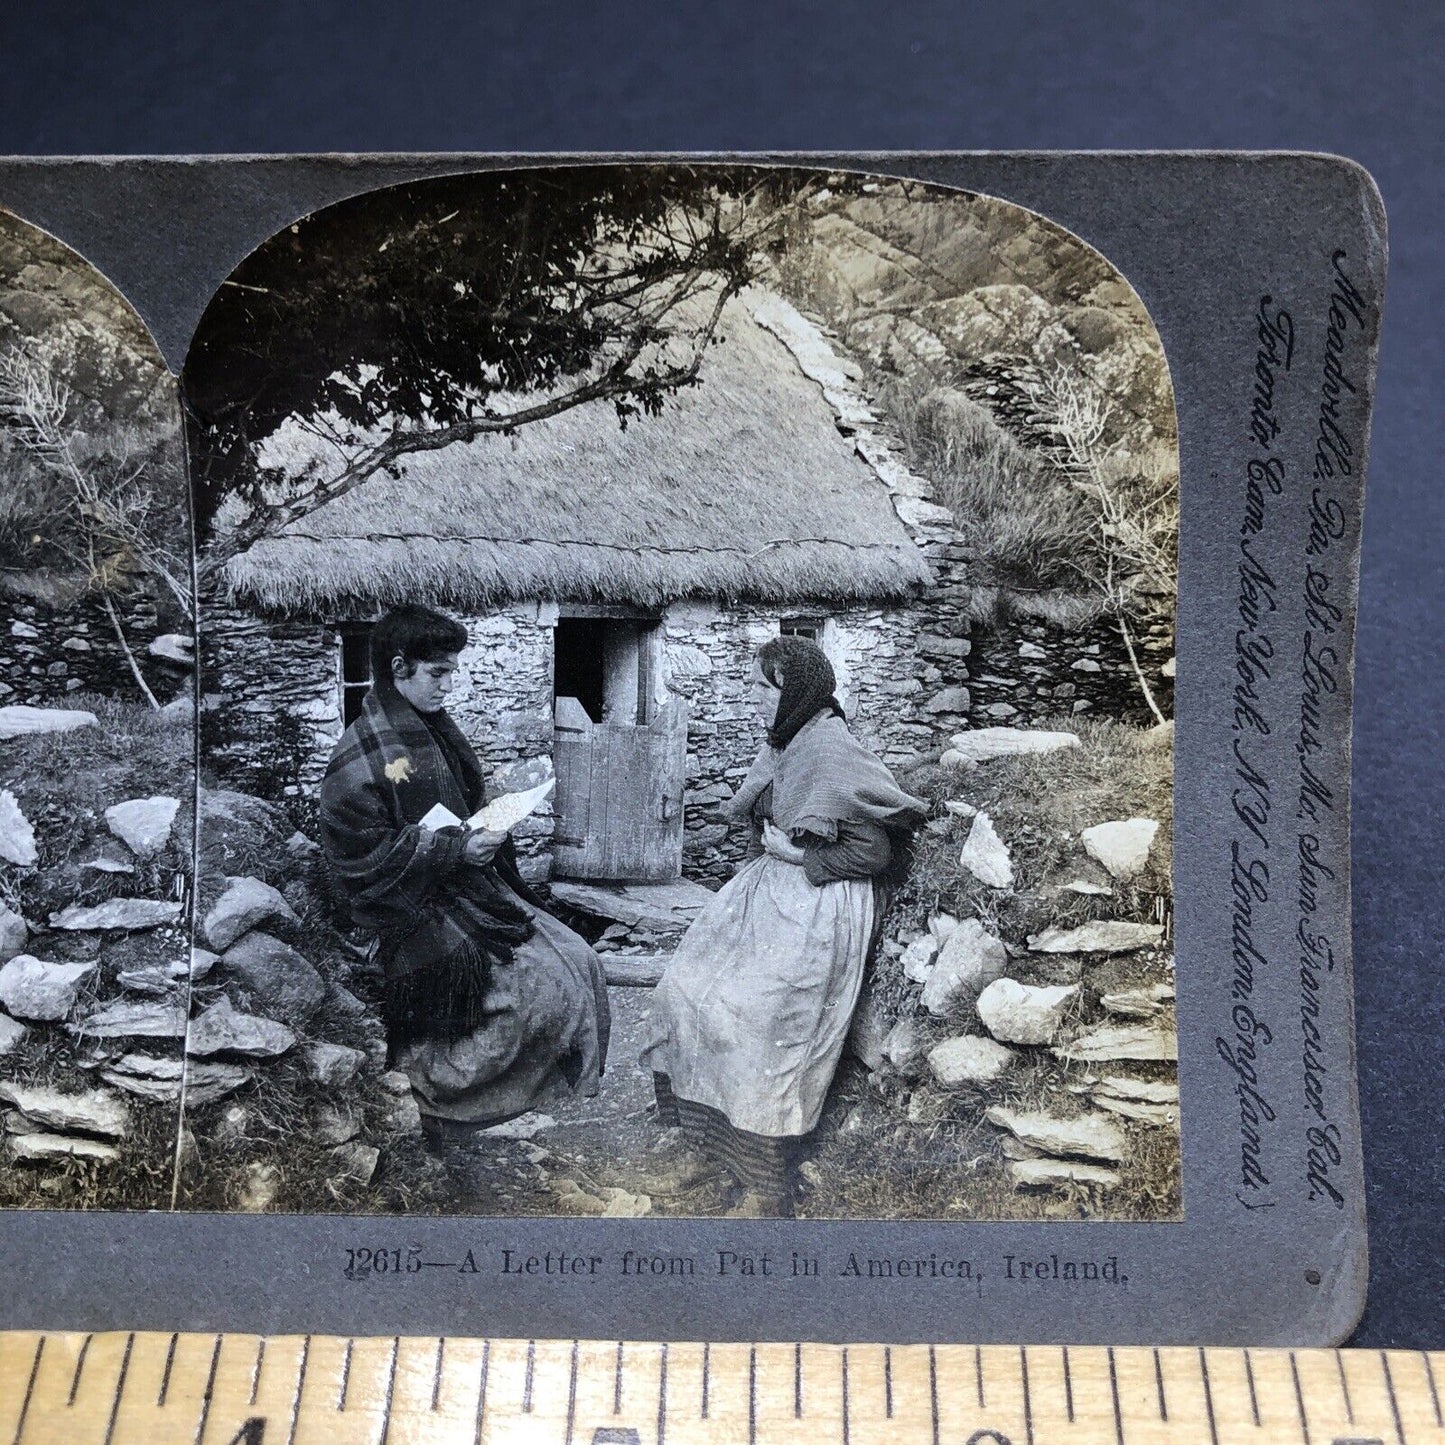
x=415, y=633
x=801, y=671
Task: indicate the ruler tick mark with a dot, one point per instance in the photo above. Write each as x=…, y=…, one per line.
x=706, y=1373
x=887, y=1382
x=846, y=1422
x=752, y=1395
x=662, y=1397
x=1028, y=1401
x=527, y=1378
x=978, y=1374
x=1299, y=1400
x=1394, y=1403
x=1068, y=1386
x=119, y=1388
x=617, y=1382
x=1430, y=1380
x=1114, y=1391
x=1344, y=1386
x=798, y=1381
x=166, y=1374
x=209, y=1391
x=390, y=1391
x=1253, y=1396
x=572, y=1395
x=1209, y=1396
x=1159, y=1388
x=933, y=1389
x=345, y=1376
x=300, y=1386
x=482, y=1391
x=30, y=1389
x=256, y=1370
x=436, y=1379
x=79, y=1366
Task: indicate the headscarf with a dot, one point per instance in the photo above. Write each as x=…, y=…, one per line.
x=805, y=676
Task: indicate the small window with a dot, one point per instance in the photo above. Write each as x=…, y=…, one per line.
x=355, y=668
x=809, y=627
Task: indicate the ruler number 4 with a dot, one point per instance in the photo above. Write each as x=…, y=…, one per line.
x=253, y=1432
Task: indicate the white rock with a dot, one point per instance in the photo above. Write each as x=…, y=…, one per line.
x=37, y=1148
x=11, y=1033
x=202, y=962
x=135, y=1019
x=152, y=981
x=524, y=1126
x=23, y=630
x=969, y=1060
x=985, y=856
x=1033, y=652
x=223, y=1030
x=1085, y=664
x=1086, y=889
x=1090, y=1136
x=1123, y=846
x=967, y=963
x=174, y=647
x=17, y=837
x=918, y=958
x=982, y=744
x=18, y=721
x=355, y=1163
x=104, y=864
x=160, y=1079
x=128, y=914
x=1147, y=1090
x=1138, y=1003
x=14, y=934
x=1047, y=1173
x=1122, y=1041
x=403, y=1115
x=335, y=1124
x=1169, y=668
x=1156, y=1115
x=245, y=903
x=942, y=926
x=262, y=1182
x=960, y=809
x=31, y=988
x=1020, y=1013
x=903, y=1046
x=143, y=824
x=332, y=1064
x=1106, y=936
x=95, y=1111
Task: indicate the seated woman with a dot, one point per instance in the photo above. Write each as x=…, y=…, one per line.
x=750, y=1018
x=491, y=1005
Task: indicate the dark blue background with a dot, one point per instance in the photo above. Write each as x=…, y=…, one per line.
x=1362, y=79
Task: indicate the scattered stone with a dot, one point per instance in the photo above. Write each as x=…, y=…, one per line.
x=14, y=934
x=1104, y=936
x=152, y=982
x=903, y=1048
x=982, y=744
x=246, y=903
x=223, y=1030
x=1138, y=1003
x=1091, y=1136
x=1147, y=1090
x=1085, y=664
x=143, y=824
x=202, y=962
x=104, y=864
x=17, y=837
x=396, y=1082
x=960, y=810
x=1156, y=1115
x=298, y=845
x=340, y=1000
x=634, y=971
x=574, y=1197
x=967, y=963
x=233, y=1125
x=258, y=1193
x=128, y=914
x=1021, y=1013
x=332, y=1065
x=17, y=721
x=31, y=988
x=620, y=1204
x=135, y=1019
x=160, y=1080
x=985, y=856
x=403, y=1114
x=355, y=1163
x=524, y=1126
x=1032, y=652
x=1050, y=1173
x=942, y=926
x=1123, y=846
x=1087, y=889
x=335, y=1124
x=969, y=1059
x=1122, y=1041
x=1169, y=668
x=38, y=1148
x=96, y=1111
x=174, y=647
x=11, y=1034
x=918, y=958
x=281, y=983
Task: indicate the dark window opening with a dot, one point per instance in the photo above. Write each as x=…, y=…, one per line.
x=355, y=668
x=809, y=627
x=606, y=664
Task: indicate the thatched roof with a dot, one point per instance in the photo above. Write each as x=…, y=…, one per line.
x=743, y=488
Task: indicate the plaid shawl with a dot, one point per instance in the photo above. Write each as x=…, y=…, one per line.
x=442, y=923
x=825, y=777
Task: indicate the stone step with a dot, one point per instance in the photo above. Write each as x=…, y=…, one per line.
x=634, y=971
x=663, y=907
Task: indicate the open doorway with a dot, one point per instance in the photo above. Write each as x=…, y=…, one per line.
x=605, y=662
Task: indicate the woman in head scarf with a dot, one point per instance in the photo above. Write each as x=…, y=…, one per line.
x=492, y=1006
x=750, y=1018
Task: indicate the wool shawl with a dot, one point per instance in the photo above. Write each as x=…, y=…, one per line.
x=442, y=923
x=825, y=777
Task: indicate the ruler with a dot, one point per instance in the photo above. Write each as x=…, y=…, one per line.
x=191, y=1389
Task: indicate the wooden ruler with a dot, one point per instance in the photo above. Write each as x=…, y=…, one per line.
x=158, y=1389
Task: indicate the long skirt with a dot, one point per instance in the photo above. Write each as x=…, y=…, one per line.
x=751, y=1016
x=544, y=1036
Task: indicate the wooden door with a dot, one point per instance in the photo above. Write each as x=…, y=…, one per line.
x=619, y=795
